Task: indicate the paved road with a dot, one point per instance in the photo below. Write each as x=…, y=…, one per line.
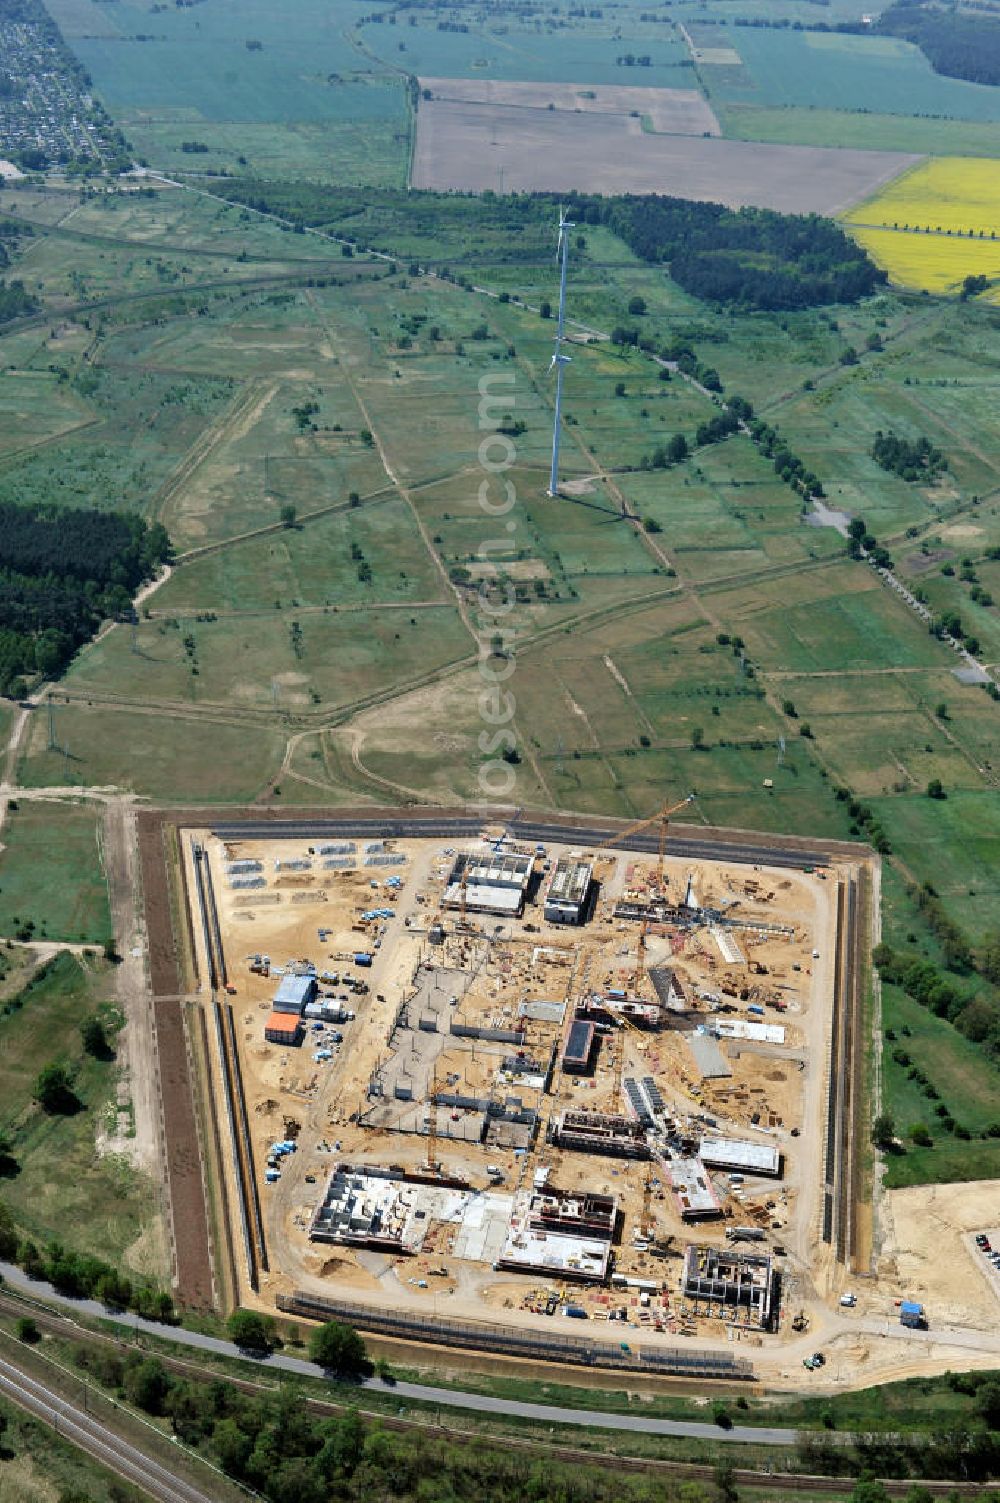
x=533, y=831
x=94, y=1437
x=417, y=1392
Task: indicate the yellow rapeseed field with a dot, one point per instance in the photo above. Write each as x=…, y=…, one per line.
x=938, y=263
x=905, y=227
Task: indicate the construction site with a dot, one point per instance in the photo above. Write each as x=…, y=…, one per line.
x=538, y=1078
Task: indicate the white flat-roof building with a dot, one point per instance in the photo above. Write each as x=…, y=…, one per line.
x=742, y=1155
x=505, y=902
x=561, y=1234
x=759, y=1033
x=693, y=1190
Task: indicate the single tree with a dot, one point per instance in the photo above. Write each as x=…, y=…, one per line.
x=884, y=1131
x=337, y=1347
x=253, y=1332
x=95, y=1040
x=54, y=1091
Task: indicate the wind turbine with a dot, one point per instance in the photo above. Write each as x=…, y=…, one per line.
x=559, y=360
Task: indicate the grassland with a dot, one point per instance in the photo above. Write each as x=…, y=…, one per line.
x=51, y=874
x=63, y=1187
x=166, y=755
x=966, y=1085
x=510, y=49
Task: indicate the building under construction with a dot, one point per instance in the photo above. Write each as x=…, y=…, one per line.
x=613, y=1005
x=560, y=1234
x=599, y=1132
x=489, y=883
x=579, y=1048
x=735, y=1285
x=569, y=892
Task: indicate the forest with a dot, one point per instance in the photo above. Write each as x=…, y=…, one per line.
x=15, y=301
x=958, y=44
x=746, y=258
x=750, y=258
x=62, y=572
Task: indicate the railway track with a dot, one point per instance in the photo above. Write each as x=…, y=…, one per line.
x=247, y=1193
x=844, y=1129
x=96, y=1438
x=240, y=1167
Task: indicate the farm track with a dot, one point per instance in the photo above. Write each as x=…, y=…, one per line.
x=12, y=456
x=192, y=555
x=325, y=717
x=154, y=295
x=248, y=404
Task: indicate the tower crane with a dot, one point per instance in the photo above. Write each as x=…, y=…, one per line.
x=619, y=1069
x=646, y=1218
x=660, y=818
x=640, y=964
x=432, y=1123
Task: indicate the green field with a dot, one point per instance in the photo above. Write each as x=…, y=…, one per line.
x=166, y=756
x=51, y=874
x=302, y=101
x=805, y=69
x=63, y=1188
x=965, y=1083
x=578, y=54
x=812, y=125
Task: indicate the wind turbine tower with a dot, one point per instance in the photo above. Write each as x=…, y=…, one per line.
x=558, y=358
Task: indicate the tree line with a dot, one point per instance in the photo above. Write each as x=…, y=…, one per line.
x=62, y=572
x=79, y=1275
